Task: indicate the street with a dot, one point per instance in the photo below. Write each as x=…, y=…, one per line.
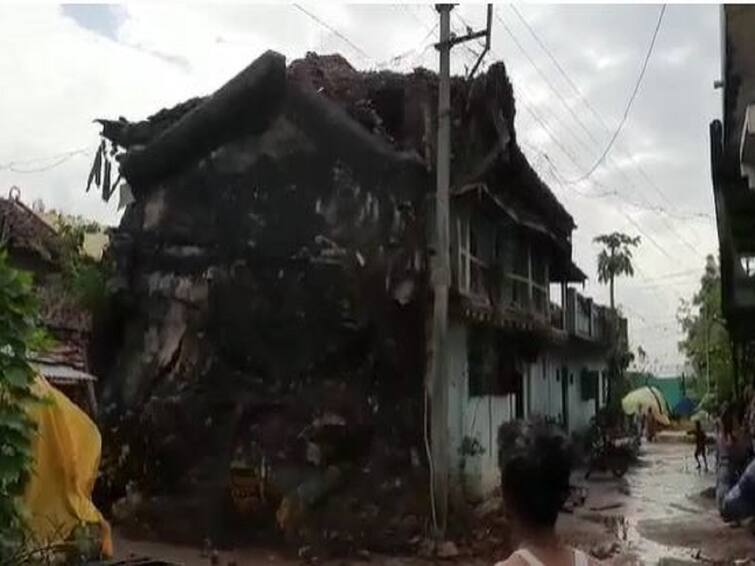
x=662, y=512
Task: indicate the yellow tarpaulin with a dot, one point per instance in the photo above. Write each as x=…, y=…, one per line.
x=66, y=452
x=644, y=399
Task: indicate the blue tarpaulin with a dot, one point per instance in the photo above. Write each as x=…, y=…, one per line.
x=685, y=407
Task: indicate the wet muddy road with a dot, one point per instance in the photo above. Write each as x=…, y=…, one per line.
x=660, y=513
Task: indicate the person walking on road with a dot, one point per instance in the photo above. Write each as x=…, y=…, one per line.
x=700, y=445
x=535, y=463
x=650, y=424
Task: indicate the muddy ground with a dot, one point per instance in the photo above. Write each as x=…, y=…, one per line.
x=660, y=513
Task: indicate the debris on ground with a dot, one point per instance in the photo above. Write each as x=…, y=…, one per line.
x=605, y=551
x=607, y=507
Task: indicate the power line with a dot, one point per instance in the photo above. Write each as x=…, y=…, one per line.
x=637, y=267
x=58, y=157
x=582, y=97
x=418, y=51
x=631, y=98
x=561, y=98
x=465, y=45
x=626, y=215
x=573, y=159
x=690, y=216
x=551, y=86
x=554, y=172
x=558, y=176
x=638, y=167
x=416, y=18
x=674, y=275
x=40, y=169
x=680, y=237
x=333, y=30
x=577, y=119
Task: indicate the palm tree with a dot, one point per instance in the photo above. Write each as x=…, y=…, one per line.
x=615, y=259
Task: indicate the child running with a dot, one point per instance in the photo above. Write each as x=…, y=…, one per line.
x=700, y=445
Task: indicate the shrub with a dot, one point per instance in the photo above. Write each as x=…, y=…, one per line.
x=18, y=334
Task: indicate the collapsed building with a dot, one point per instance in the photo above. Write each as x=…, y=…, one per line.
x=272, y=270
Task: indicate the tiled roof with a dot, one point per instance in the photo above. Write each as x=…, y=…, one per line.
x=22, y=228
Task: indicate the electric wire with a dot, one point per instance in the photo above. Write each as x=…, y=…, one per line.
x=333, y=30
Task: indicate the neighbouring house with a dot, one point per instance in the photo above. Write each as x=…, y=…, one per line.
x=733, y=172
x=33, y=245
x=516, y=352
x=273, y=261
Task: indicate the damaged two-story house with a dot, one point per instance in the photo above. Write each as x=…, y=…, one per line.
x=273, y=267
x=516, y=351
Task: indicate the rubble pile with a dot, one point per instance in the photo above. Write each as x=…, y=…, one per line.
x=271, y=280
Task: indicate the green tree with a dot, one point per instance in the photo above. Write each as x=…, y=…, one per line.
x=18, y=334
x=706, y=342
x=615, y=259
x=83, y=278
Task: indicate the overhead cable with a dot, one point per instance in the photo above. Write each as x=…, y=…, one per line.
x=631, y=99
x=333, y=30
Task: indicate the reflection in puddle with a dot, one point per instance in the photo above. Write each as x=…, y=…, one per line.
x=666, y=519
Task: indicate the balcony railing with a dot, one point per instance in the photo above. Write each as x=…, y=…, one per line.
x=589, y=321
x=583, y=317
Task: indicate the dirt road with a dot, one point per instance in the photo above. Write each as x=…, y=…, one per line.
x=657, y=514
x=660, y=513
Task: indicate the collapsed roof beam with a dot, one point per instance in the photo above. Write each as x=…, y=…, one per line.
x=244, y=105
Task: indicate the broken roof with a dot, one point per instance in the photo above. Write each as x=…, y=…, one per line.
x=22, y=229
x=390, y=120
x=63, y=353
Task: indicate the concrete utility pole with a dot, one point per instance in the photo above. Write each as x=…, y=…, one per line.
x=437, y=377
x=441, y=281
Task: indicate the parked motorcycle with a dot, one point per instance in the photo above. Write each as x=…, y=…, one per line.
x=610, y=454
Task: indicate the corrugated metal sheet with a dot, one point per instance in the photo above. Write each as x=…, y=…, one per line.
x=58, y=373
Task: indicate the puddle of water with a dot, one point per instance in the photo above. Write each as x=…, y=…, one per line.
x=652, y=552
x=662, y=489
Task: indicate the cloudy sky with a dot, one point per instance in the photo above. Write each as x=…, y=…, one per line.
x=573, y=68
